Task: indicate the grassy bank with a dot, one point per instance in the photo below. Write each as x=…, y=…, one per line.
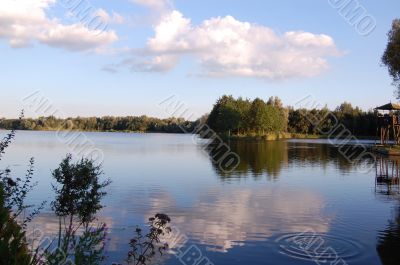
x=275, y=136
x=391, y=150
x=285, y=135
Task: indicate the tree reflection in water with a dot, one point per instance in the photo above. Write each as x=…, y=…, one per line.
x=259, y=158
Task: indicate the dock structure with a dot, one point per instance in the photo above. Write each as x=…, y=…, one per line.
x=389, y=123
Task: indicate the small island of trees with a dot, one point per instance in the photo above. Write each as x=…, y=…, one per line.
x=243, y=117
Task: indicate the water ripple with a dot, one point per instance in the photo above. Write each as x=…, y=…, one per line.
x=318, y=247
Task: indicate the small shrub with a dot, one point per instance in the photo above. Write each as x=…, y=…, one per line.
x=78, y=198
x=144, y=248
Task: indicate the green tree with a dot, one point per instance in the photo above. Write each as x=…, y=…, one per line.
x=79, y=191
x=391, y=56
x=258, y=115
x=242, y=106
x=298, y=122
x=224, y=116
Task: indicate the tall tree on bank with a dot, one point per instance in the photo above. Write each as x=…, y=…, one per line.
x=224, y=116
x=282, y=124
x=391, y=56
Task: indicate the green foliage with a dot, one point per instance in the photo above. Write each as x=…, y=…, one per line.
x=13, y=246
x=258, y=118
x=298, y=122
x=5, y=142
x=79, y=189
x=89, y=247
x=391, y=56
x=355, y=120
x=86, y=248
x=266, y=117
x=278, y=105
x=258, y=115
x=239, y=115
x=78, y=198
x=108, y=123
x=225, y=115
x=16, y=192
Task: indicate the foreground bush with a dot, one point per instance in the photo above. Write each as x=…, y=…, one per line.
x=13, y=246
x=80, y=240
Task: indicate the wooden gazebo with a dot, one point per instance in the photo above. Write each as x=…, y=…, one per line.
x=389, y=123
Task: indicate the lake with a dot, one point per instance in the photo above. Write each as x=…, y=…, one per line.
x=287, y=202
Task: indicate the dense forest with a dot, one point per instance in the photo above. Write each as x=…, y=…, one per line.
x=258, y=117
x=241, y=117
x=357, y=121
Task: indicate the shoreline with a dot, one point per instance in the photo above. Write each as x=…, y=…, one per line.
x=289, y=136
x=389, y=150
x=266, y=137
x=93, y=131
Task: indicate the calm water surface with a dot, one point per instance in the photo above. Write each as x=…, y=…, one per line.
x=289, y=202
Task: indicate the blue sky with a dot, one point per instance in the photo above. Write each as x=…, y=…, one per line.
x=154, y=49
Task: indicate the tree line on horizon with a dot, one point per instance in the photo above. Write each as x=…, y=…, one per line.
x=103, y=124
x=236, y=116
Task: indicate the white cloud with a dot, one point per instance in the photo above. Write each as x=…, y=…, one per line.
x=225, y=46
x=162, y=63
x=155, y=4
x=75, y=37
x=24, y=21
x=172, y=34
x=113, y=18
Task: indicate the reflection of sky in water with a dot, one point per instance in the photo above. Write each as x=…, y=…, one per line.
x=223, y=218
x=279, y=188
